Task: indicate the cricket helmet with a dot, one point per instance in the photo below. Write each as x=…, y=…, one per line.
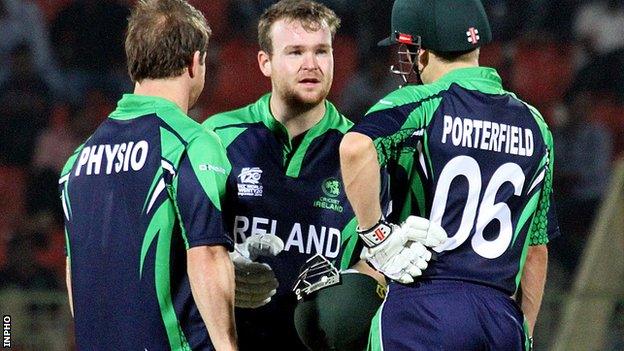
x=335, y=309
x=439, y=25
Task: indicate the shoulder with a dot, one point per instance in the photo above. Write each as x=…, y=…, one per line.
x=206, y=152
x=411, y=95
x=229, y=125
x=538, y=117
x=180, y=124
x=181, y=135
x=230, y=118
x=205, y=139
x=251, y=113
x=339, y=121
x=71, y=161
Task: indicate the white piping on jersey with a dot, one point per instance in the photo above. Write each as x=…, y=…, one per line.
x=64, y=204
x=167, y=166
x=389, y=211
x=537, y=180
x=64, y=178
x=159, y=188
x=161, y=184
x=421, y=158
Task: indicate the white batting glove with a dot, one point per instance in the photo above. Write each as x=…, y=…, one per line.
x=255, y=282
x=399, y=252
x=424, y=231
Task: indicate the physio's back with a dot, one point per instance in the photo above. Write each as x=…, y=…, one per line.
x=127, y=252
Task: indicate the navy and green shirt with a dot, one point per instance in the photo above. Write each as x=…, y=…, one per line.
x=475, y=159
x=294, y=192
x=145, y=187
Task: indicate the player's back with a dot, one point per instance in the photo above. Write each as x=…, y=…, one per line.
x=475, y=161
x=488, y=158
x=128, y=258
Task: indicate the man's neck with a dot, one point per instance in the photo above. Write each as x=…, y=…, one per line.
x=170, y=89
x=441, y=69
x=438, y=67
x=296, y=120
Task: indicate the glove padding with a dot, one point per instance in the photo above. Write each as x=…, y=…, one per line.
x=255, y=282
x=424, y=231
x=399, y=252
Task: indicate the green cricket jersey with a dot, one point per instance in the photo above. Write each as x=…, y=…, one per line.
x=475, y=159
x=145, y=187
x=294, y=192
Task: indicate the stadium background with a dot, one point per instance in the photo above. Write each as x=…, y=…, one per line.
x=62, y=70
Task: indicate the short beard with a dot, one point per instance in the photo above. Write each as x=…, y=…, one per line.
x=296, y=103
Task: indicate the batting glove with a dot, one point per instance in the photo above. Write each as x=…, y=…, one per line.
x=255, y=282
x=399, y=252
x=424, y=231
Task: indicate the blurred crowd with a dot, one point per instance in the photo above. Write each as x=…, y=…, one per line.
x=63, y=69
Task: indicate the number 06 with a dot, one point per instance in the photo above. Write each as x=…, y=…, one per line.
x=488, y=210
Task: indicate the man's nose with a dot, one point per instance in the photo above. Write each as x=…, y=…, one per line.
x=309, y=61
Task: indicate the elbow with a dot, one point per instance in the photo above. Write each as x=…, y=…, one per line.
x=203, y=258
x=537, y=255
x=540, y=251
x=355, y=146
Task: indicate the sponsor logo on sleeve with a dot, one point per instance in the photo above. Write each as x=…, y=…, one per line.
x=212, y=168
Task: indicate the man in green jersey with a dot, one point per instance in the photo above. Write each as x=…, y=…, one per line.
x=147, y=254
x=285, y=190
x=474, y=159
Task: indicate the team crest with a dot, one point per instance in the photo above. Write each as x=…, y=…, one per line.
x=331, y=187
x=329, y=201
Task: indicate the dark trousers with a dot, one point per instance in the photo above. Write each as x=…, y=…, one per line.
x=269, y=327
x=450, y=315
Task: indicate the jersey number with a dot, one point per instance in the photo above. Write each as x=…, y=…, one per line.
x=487, y=210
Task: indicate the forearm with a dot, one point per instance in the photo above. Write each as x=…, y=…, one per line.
x=211, y=275
x=69, y=286
x=532, y=282
x=360, y=174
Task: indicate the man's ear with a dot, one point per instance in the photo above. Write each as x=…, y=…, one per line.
x=198, y=60
x=264, y=62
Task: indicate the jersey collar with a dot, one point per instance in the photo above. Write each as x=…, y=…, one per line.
x=330, y=120
x=132, y=106
x=293, y=159
x=484, y=79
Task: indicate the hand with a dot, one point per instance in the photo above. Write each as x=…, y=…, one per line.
x=267, y=245
x=424, y=231
x=255, y=282
x=399, y=252
x=407, y=262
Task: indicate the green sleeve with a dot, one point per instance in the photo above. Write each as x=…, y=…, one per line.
x=539, y=230
x=199, y=191
x=398, y=117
